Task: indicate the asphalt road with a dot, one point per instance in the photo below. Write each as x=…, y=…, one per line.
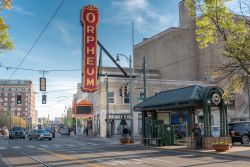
x=68, y=151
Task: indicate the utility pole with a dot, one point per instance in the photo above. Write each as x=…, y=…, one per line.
x=144, y=96
x=248, y=94
x=144, y=78
x=107, y=105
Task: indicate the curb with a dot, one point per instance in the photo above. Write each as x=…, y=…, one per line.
x=204, y=153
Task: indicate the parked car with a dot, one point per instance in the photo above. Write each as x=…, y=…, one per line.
x=240, y=131
x=64, y=131
x=39, y=134
x=51, y=130
x=16, y=132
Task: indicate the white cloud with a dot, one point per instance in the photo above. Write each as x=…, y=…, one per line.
x=131, y=5
x=147, y=19
x=21, y=11
x=66, y=31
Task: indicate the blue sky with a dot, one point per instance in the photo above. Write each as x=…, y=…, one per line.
x=60, y=45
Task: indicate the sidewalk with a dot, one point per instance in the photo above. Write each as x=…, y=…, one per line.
x=236, y=151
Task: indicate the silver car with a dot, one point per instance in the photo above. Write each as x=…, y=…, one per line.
x=39, y=134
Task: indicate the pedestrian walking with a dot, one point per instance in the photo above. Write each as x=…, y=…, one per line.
x=125, y=131
x=197, y=136
x=87, y=131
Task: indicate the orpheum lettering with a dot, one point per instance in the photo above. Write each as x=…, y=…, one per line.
x=90, y=18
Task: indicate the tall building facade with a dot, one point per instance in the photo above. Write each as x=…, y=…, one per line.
x=10, y=108
x=176, y=55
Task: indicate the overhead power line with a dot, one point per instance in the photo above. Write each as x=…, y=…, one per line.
x=37, y=70
x=37, y=39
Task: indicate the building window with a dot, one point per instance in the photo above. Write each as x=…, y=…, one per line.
x=13, y=94
x=5, y=104
x=5, y=109
x=126, y=98
x=111, y=97
x=141, y=96
x=5, y=94
x=13, y=99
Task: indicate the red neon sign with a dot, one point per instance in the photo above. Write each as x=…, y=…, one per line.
x=90, y=18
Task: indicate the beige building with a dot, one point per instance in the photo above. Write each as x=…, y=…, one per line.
x=9, y=90
x=118, y=106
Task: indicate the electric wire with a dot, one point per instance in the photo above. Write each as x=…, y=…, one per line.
x=37, y=39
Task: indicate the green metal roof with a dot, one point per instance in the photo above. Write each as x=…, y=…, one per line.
x=182, y=97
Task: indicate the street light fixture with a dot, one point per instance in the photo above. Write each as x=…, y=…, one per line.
x=130, y=91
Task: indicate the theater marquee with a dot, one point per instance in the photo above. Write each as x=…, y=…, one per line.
x=90, y=18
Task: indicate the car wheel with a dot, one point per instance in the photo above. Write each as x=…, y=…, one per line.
x=29, y=137
x=23, y=137
x=50, y=138
x=10, y=137
x=244, y=139
x=39, y=138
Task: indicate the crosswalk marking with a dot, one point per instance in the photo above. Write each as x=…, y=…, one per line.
x=16, y=147
x=94, y=144
x=30, y=146
x=57, y=145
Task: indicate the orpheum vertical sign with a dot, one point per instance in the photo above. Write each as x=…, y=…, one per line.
x=90, y=18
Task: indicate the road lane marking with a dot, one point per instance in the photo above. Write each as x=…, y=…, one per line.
x=3, y=148
x=70, y=145
x=46, y=146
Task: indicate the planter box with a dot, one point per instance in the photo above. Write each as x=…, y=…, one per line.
x=221, y=147
x=124, y=140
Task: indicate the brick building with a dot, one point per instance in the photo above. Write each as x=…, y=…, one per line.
x=9, y=90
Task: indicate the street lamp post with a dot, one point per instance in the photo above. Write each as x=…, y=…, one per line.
x=107, y=101
x=130, y=92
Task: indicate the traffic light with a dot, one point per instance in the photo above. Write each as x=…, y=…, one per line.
x=19, y=99
x=120, y=91
x=44, y=99
x=125, y=89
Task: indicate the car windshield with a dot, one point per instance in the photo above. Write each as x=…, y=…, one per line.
x=17, y=129
x=42, y=131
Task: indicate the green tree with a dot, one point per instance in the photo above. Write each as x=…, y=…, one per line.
x=5, y=42
x=216, y=23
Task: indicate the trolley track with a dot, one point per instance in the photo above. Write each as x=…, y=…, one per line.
x=8, y=163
